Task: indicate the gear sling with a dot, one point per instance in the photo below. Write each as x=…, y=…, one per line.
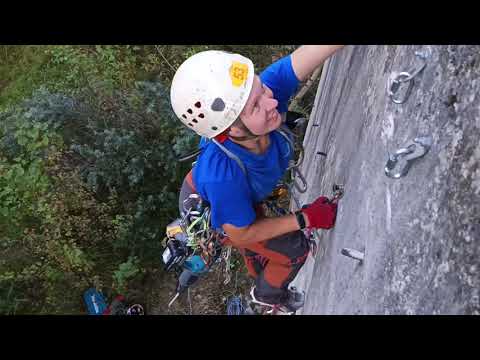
x=273, y=263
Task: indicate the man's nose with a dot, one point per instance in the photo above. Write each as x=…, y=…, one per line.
x=270, y=103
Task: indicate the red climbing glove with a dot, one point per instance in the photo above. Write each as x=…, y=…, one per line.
x=321, y=213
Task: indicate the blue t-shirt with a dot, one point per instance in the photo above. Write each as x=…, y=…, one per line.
x=220, y=180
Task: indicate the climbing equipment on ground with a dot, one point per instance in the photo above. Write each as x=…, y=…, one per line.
x=399, y=163
x=135, y=309
x=95, y=302
x=235, y=306
x=97, y=305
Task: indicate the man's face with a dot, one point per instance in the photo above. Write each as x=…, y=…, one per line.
x=260, y=113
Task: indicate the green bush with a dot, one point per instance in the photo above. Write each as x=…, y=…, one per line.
x=23, y=182
x=73, y=217
x=126, y=271
x=133, y=153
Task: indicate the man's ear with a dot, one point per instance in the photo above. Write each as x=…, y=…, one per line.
x=235, y=131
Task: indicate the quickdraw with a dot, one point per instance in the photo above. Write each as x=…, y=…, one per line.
x=226, y=257
x=401, y=160
x=405, y=77
x=294, y=166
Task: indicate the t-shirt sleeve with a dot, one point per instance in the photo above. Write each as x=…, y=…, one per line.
x=281, y=79
x=230, y=203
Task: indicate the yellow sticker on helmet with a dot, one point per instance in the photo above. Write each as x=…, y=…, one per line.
x=238, y=73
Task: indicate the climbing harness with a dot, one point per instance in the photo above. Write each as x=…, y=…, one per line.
x=191, y=246
x=401, y=160
x=405, y=77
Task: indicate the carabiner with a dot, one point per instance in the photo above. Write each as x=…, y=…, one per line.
x=299, y=162
x=300, y=157
x=395, y=85
x=303, y=187
x=297, y=202
x=413, y=150
x=405, y=76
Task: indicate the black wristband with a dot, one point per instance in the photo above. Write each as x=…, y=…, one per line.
x=300, y=219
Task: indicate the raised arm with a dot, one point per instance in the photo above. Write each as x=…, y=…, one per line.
x=308, y=57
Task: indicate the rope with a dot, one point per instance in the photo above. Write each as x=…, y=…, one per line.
x=189, y=300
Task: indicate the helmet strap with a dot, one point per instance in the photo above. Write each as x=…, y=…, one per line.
x=244, y=138
x=240, y=124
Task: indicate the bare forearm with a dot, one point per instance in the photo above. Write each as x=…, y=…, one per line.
x=308, y=57
x=262, y=229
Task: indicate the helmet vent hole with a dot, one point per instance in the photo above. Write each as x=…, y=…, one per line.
x=195, y=121
x=218, y=105
x=214, y=128
x=201, y=116
x=190, y=111
x=190, y=124
x=184, y=116
x=197, y=104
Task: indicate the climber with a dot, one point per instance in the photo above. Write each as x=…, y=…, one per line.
x=243, y=157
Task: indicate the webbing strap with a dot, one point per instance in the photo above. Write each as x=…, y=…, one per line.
x=284, y=131
x=232, y=156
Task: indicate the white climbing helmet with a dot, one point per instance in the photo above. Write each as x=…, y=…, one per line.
x=210, y=89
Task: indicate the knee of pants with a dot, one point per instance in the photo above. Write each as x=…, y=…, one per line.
x=293, y=245
x=278, y=275
x=281, y=275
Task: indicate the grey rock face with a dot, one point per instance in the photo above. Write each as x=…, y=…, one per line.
x=421, y=233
